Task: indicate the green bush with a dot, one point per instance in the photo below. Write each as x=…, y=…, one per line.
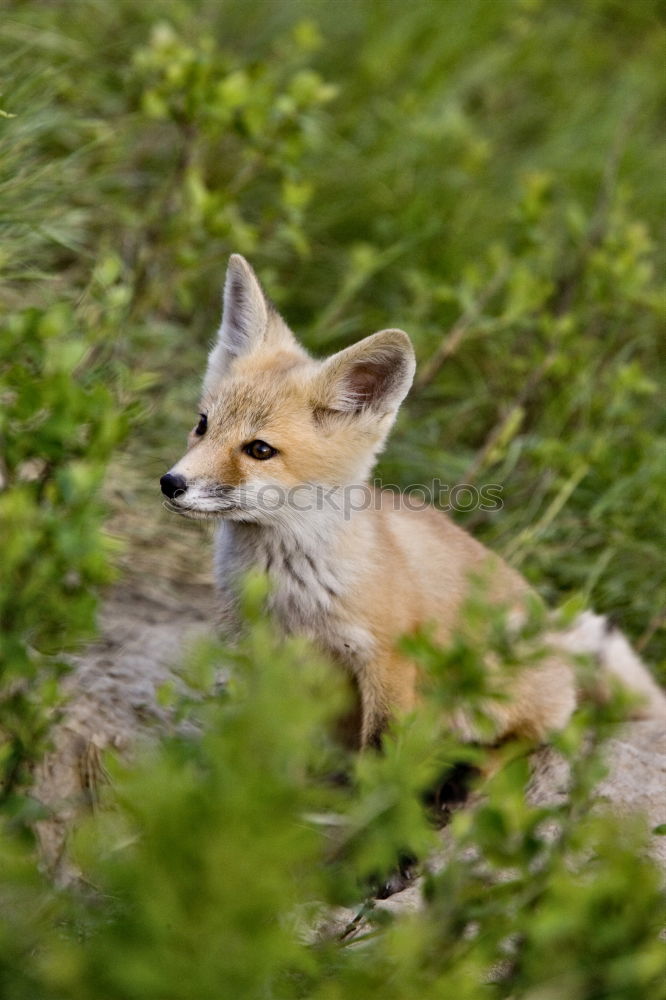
x=220, y=853
x=59, y=420
x=57, y=433
x=486, y=175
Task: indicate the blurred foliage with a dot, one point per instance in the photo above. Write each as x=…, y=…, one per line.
x=483, y=173
x=213, y=869
x=58, y=426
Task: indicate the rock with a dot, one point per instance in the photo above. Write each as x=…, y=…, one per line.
x=636, y=780
x=635, y=756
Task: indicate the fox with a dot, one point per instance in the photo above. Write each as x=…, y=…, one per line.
x=282, y=441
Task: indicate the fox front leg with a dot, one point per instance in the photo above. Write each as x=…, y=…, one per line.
x=387, y=688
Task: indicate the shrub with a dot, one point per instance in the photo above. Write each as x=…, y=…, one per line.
x=486, y=176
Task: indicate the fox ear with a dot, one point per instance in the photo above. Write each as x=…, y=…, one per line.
x=373, y=375
x=250, y=323
x=244, y=320
x=245, y=312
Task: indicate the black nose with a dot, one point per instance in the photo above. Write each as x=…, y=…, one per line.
x=171, y=485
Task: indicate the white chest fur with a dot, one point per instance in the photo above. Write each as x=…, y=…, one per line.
x=310, y=581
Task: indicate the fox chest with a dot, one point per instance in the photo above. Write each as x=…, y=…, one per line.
x=309, y=594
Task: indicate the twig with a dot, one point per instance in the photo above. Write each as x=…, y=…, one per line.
x=498, y=430
x=531, y=534
x=450, y=344
x=657, y=621
x=366, y=908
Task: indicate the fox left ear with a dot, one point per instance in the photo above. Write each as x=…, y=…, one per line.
x=374, y=375
x=245, y=312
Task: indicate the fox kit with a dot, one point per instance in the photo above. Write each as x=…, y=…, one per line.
x=282, y=443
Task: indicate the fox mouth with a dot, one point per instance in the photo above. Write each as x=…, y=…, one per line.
x=197, y=513
x=193, y=513
x=200, y=500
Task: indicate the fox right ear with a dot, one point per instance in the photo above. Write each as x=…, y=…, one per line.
x=244, y=316
x=245, y=312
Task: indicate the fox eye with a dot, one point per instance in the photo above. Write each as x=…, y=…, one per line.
x=202, y=426
x=259, y=450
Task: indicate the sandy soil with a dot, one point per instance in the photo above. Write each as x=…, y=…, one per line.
x=163, y=601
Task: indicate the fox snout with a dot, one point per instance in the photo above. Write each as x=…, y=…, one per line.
x=173, y=486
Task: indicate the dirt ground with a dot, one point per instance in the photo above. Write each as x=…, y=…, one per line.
x=162, y=602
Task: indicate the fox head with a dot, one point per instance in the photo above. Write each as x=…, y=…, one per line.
x=273, y=420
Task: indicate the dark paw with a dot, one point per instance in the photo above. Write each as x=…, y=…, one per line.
x=450, y=792
x=399, y=879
